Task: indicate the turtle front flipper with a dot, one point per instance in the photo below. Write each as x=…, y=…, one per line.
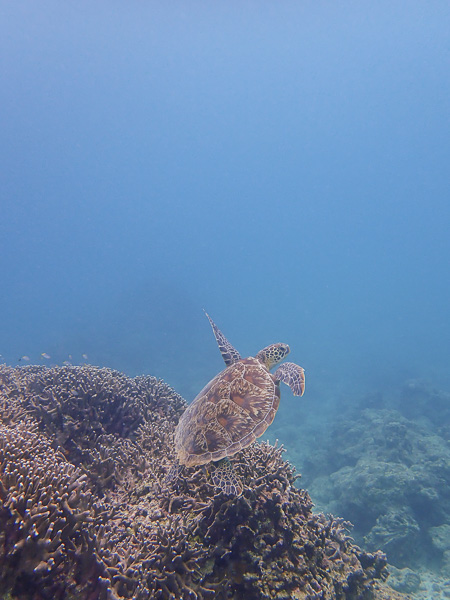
x=225, y=478
x=293, y=376
x=229, y=353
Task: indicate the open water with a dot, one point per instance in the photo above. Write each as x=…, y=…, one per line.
x=284, y=165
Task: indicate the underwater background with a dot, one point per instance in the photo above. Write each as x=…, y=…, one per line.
x=283, y=165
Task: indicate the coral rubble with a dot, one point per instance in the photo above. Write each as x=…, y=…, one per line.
x=86, y=511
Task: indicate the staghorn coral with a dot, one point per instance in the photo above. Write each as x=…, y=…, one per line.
x=46, y=516
x=267, y=543
x=97, y=400
x=76, y=407
x=143, y=539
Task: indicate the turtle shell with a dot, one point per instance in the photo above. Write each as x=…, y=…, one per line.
x=230, y=412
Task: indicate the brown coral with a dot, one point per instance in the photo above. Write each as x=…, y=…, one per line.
x=46, y=516
x=143, y=540
x=79, y=407
x=267, y=543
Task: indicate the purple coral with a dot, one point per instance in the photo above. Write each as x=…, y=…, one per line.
x=85, y=509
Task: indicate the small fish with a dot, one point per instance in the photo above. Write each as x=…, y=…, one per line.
x=45, y=355
x=67, y=362
x=84, y=356
x=27, y=358
x=70, y=357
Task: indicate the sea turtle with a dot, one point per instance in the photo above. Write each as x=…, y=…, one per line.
x=234, y=409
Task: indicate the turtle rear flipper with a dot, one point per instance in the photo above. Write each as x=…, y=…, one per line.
x=225, y=478
x=229, y=354
x=173, y=474
x=293, y=376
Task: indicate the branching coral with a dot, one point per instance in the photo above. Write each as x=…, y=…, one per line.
x=46, y=516
x=76, y=407
x=267, y=543
x=86, y=510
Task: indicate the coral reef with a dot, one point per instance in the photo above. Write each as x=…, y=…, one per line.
x=90, y=414
x=420, y=400
x=391, y=475
x=47, y=518
x=404, y=580
x=86, y=511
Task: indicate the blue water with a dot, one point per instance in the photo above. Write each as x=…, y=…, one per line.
x=283, y=165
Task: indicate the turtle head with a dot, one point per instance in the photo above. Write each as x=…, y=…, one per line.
x=273, y=354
